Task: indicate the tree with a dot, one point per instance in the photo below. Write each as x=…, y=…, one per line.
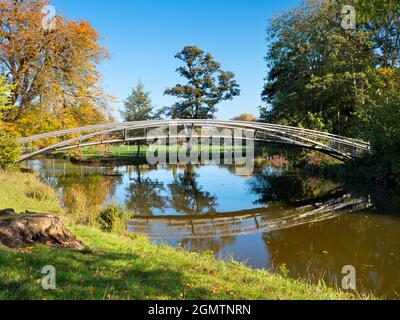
x=9, y=151
x=246, y=117
x=380, y=125
x=138, y=106
x=343, y=81
x=207, y=86
x=381, y=115
x=5, y=93
x=382, y=20
x=317, y=70
x=51, y=71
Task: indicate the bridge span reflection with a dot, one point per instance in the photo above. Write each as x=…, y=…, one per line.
x=245, y=222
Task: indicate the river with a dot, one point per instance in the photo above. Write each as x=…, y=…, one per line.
x=275, y=219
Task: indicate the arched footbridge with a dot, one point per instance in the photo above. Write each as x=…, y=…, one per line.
x=336, y=146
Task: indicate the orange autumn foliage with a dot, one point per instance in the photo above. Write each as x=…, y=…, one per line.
x=54, y=73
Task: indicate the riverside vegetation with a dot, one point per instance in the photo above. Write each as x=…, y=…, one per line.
x=119, y=265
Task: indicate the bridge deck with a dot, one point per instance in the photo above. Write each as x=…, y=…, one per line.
x=334, y=145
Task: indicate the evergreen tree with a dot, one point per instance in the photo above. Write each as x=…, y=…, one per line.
x=138, y=106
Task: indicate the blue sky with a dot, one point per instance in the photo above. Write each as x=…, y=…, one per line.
x=143, y=37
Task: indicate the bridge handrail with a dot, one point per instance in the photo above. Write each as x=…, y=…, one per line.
x=287, y=134
x=153, y=123
x=226, y=124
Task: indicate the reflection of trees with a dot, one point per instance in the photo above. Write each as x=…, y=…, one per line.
x=385, y=200
x=288, y=188
x=87, y=192
x=216, y=245
x=145, y=194
x=322, y=249
x=188, y=197
x=185, y=196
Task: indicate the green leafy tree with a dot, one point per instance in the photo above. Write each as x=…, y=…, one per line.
x=382, y=19
x=5, y=94
x=343, y=81
x=138, y=106
x=207, y=85
x=380, y=125
x=317, y=70
x=377, y=10
x=380, y=116
x=9, y=151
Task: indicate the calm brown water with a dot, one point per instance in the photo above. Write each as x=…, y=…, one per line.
x=312, y=226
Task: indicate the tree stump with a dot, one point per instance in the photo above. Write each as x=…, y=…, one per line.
x=29, y=228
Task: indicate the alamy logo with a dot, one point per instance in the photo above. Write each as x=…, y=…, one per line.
x=348, y=17
x=349, y=279
x=49, y=280
x=202, y=146
x=49, y=20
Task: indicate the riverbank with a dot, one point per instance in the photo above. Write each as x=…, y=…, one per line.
x=123, y=155
x=123, y=266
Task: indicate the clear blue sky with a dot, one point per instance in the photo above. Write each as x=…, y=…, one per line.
x=143, y=37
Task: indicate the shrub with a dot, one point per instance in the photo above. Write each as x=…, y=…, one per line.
x=80, y=206
x=9, y=151
x=113, y=218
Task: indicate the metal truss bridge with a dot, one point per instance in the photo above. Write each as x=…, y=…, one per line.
x=336, y=146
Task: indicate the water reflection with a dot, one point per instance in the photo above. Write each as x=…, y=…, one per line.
x=187, y=196
x=245, y=222
x=368, y=242
x=314, y=226
x=290, y=188
x=144, y=194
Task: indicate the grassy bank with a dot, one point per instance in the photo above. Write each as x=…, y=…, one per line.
x=127, y=266
x=23, y=192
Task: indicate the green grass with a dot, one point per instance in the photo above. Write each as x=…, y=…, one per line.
x=118, y=267
x=132, y=151
x=25, y=192
x=130, y=267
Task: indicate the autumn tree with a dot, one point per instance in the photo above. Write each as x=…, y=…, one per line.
x=246, y=117
x=207, y=85
x=54, y=72
x=138, y=106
